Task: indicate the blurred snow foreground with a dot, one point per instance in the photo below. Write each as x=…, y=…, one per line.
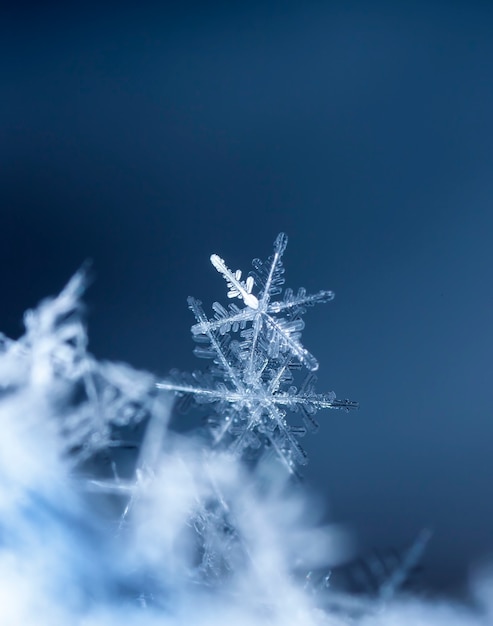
x=109, y=517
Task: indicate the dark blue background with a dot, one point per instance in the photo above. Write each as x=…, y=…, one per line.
x=146, y=136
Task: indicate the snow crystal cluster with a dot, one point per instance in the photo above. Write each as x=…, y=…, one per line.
x=108, y=517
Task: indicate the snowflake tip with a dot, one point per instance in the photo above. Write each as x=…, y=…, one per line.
x=280, y=243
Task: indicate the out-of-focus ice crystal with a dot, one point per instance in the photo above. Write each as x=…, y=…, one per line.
x=85, y=398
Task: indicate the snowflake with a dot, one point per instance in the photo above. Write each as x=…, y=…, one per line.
x=256, y=352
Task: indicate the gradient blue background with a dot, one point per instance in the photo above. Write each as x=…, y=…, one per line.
x=146, y=136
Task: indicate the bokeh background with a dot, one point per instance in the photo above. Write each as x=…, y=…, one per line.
x=146, y=135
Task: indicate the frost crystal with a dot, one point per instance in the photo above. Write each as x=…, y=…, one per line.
x=256, y=352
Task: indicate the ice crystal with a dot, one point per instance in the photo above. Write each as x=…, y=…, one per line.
x=88, y=400
x=256, y=351
x=369, y=584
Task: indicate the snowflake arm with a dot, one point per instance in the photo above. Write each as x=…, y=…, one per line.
x=216, y=349
x=300, y=301
x=284, y=336
x=272, y=281
x=223, y=321
x=237, y=288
